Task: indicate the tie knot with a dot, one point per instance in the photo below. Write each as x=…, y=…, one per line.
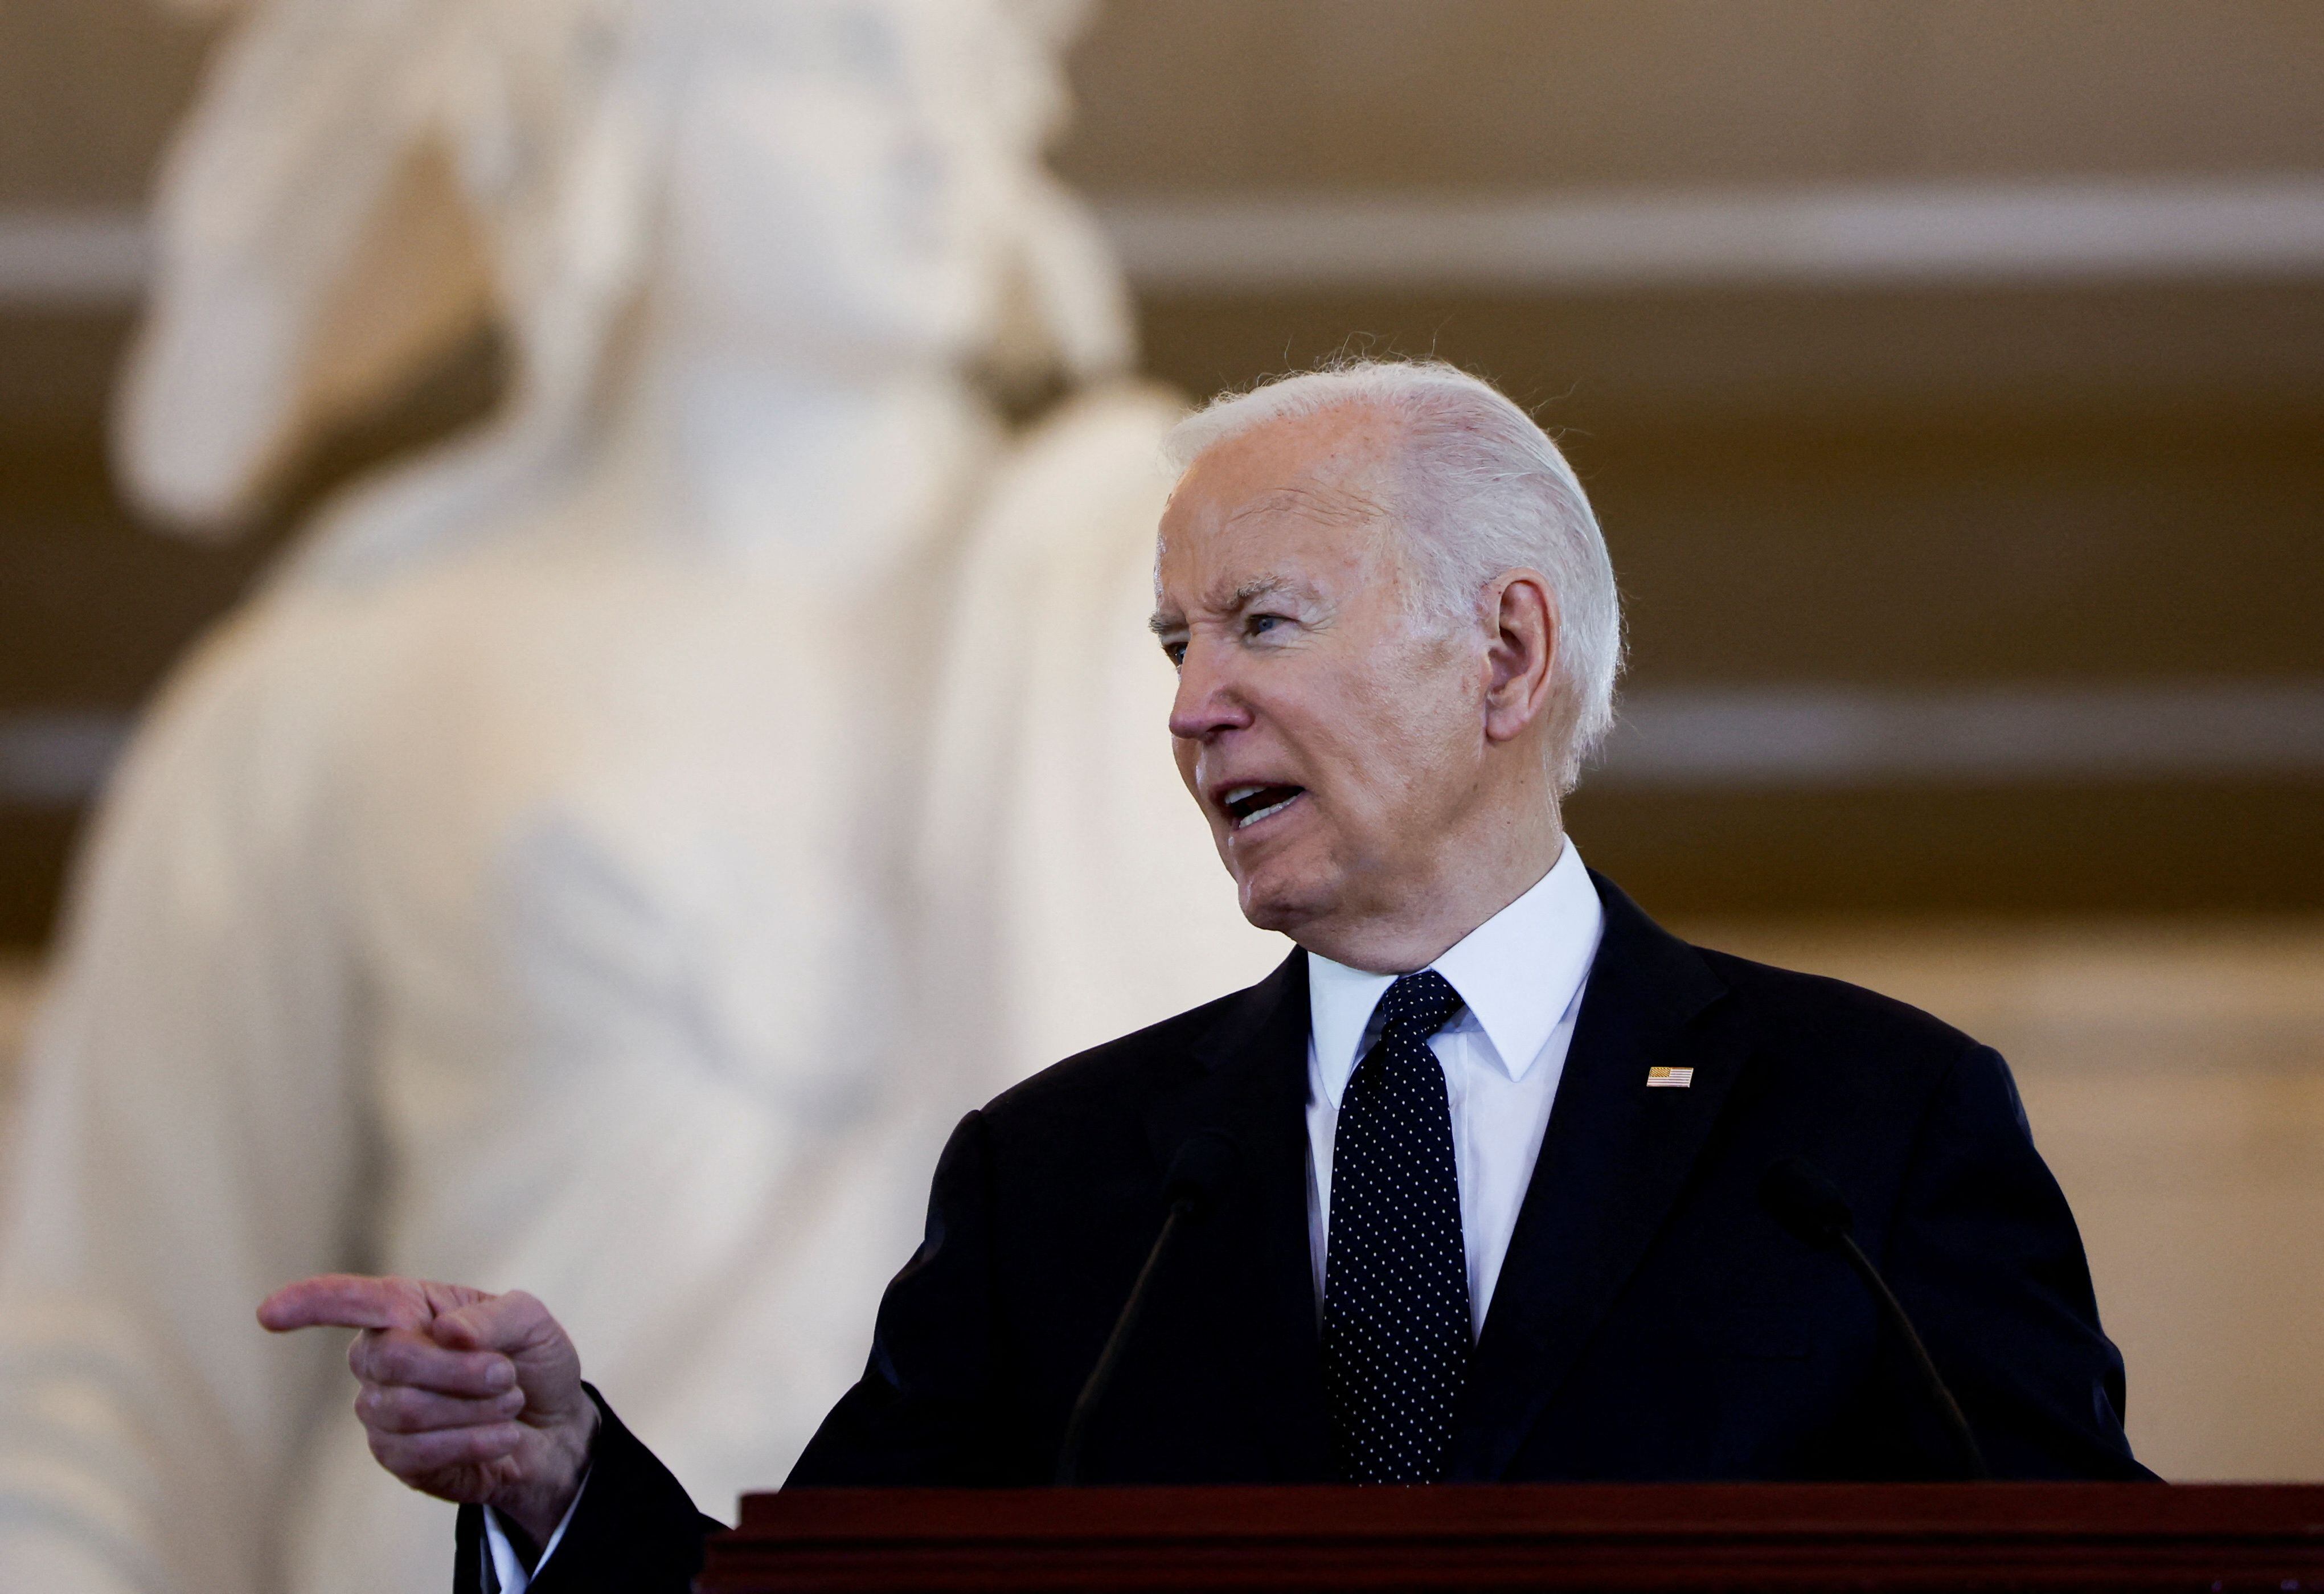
x=1417, y=1005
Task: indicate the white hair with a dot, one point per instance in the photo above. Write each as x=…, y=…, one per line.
x=1483, y=491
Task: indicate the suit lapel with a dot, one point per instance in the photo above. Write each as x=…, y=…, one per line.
x=1252, y=1085
x=1613, y=1161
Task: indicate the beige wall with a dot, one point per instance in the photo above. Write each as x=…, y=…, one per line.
x=1303, y=94
x=1899, y=484
x=1296, y=94
x=89, y=88
x=19, y=982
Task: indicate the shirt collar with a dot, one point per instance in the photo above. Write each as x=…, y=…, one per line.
x=1518, y=973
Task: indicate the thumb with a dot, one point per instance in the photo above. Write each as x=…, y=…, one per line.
x=518, y=1326
x=514, y=1324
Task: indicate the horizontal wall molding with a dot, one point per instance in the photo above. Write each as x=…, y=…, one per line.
x=1832, y=737
x=58, y=758
x=68, y=258
x=1547, y=240
x=1903, y=234
x=1729, y=738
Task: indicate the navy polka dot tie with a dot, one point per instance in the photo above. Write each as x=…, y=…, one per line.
x=1395, y=1280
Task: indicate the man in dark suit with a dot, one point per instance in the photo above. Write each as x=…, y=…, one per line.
x=1487, y=1148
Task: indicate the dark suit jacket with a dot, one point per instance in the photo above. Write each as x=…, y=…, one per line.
x=1651, y=1321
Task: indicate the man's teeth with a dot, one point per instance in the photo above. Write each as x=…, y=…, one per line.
x=1242, y=803
x=1289, y=797
x=1263, y=813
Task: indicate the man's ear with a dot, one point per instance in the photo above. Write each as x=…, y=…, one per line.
x=1522, y=615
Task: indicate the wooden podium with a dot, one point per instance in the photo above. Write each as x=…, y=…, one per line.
x=2201, y=1539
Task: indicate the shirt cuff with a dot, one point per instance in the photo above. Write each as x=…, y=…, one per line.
x=502, y=1571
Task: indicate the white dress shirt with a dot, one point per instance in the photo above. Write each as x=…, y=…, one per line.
x=1519, y=975
x=503, y=1573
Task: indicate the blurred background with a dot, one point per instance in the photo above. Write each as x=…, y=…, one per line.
x=1949, y=376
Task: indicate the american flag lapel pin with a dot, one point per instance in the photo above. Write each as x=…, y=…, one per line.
x=1672, y=1079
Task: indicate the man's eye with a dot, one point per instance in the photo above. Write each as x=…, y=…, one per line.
x=1258, y=623
x=1175, y=652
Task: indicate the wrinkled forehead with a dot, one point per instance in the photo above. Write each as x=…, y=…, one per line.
x=1340, y=502
x=1337, y=471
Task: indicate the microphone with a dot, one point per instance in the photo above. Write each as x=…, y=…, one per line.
x=1201, y=1170
x=1811, y=1207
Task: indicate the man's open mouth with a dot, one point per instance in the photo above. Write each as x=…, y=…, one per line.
x=1248, y=805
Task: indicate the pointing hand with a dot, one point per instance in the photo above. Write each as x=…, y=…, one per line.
x=468, y=1396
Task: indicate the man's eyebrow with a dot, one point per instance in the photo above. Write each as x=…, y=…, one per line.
x=1255, y=588
x=1165, y=621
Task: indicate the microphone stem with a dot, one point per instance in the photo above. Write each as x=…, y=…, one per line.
x=1972, y=1459
x=1069, y=1454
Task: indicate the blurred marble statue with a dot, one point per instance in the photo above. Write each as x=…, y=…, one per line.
x=613, y=847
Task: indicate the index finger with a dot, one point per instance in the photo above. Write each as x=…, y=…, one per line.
x=342, y=1300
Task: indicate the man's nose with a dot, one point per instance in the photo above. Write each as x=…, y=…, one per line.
x=1209, y=700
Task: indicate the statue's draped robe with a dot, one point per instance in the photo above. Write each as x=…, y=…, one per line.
x=600, y=911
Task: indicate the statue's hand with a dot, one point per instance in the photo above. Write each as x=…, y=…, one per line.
x=468, y=1396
